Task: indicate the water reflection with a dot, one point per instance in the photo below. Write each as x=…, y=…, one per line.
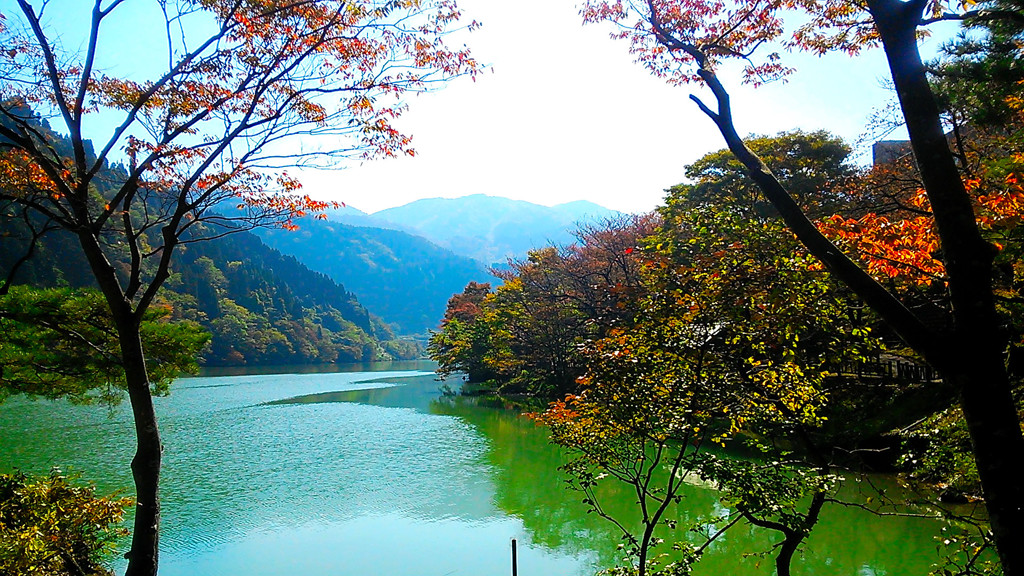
x=378, y=473
x=846, y=540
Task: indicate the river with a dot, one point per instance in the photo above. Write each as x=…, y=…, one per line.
x=371, y=471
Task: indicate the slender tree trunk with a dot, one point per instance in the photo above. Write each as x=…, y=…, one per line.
x=144, y=554
x=976, y=367
x=143, y=557
x=645, y=546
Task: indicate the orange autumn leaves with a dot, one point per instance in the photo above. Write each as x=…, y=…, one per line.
x=19, y=172
x=904, y=249
x=908, y=250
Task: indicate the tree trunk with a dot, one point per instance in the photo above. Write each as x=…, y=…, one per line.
x=995, y=437
x=994, y=428
x=976, y=366
x=144, y=554
x=645, y=546
x=784, y=560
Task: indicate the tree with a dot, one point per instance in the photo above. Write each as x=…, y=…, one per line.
x=813, y=165
x=463, y=343
x=979, y=80
x=738, y=331
x=61, y=343
x=50, y=527
x=685, y=40
x=527, y=334
x=980, y=92
x=206, y=139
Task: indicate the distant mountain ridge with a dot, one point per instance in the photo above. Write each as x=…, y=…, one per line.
x=488, y=229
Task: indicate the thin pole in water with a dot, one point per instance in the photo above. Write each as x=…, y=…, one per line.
x=515, y=569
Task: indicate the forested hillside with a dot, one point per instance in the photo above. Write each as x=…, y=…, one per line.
x=402, y=278
x=271, y=309
x=261, y=307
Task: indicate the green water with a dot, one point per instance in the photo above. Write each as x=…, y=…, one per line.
x=375, y=473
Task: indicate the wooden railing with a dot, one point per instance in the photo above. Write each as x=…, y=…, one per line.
x=892, y=369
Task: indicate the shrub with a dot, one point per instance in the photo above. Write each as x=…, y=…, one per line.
x=49, y=526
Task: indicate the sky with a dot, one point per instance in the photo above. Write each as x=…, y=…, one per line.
x=563, y=114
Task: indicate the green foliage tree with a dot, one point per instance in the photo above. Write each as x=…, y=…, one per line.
x=540, y=326
x=527, y=334
x=61, y=343
x=814, y=166
x=51, y=527
x=463, y=344
x=739, y=332
x=981, y=73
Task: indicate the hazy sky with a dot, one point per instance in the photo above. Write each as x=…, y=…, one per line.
x=562, y=113
x=566, y=115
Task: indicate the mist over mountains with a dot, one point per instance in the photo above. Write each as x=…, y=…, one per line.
x=488, y=229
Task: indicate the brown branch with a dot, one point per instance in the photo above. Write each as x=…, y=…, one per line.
x=903, y=321
x=52, y=73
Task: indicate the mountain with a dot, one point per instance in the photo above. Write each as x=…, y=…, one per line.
x=585, y=210
x=491, y=229
x=262, y=307
x=404, y=279
x=356, y=217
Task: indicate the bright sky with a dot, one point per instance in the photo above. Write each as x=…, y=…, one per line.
x=566, y=115
x=562, y=114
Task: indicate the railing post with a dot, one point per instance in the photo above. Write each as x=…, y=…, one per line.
x=515, y=569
